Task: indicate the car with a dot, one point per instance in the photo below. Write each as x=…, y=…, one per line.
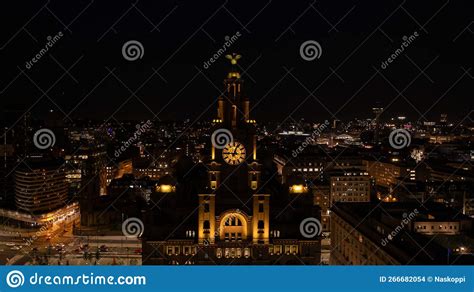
x=15, y=248
x=10, y=244
x=103, y=248
x=138, y=251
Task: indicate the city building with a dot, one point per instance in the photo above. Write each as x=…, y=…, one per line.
x=350, y=186
x=322, y=198
x=40, y=185
x=234, y=218
x=399, y=234
x=390, y=174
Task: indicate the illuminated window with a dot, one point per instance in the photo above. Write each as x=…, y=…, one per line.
x=246, y=252
x=294, y=249
x=169, y=250
x=277, y=249
x=233, y=221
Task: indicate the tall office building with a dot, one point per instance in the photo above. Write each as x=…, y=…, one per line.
x=40, y=185
x=376, y=122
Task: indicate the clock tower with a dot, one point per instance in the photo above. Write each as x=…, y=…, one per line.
x=234, y=169
x=242, y=217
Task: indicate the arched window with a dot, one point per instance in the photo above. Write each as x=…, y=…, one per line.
x=233, y=221
x=233, y=227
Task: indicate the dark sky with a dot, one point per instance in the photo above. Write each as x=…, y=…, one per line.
x=179, y=36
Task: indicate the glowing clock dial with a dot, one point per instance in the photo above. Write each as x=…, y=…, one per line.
x=234, y=153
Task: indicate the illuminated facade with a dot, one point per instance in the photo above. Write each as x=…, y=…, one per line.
x=40, y=186
x=350, y=186
x=399, y=234
x=235, y=218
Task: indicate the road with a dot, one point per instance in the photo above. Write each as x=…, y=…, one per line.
x=35, y=250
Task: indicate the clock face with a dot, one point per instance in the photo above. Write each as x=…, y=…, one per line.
x=234, y=153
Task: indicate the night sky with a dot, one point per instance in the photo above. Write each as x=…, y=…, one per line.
x=179, y=36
